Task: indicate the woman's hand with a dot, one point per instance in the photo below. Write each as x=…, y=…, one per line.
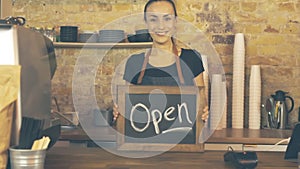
x=205, y=114
x=116, y=112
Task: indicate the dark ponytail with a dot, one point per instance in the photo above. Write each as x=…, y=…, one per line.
x=151, y=1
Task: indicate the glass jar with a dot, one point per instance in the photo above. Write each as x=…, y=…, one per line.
x=50, y=33
x=39, y=29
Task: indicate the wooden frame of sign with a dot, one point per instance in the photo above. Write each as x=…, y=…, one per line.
x=147, y=127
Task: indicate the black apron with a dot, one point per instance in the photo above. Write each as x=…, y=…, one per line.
x=161, y=81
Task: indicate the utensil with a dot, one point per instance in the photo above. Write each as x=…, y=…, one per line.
x=65, y=118
x=41, y=144
x=30, y=129
x=53, y=133
x=270, y=110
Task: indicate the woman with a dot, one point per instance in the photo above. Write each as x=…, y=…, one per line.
x=165, y=63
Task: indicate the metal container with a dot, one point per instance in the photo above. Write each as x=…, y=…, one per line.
x=26, y=158
x=68, y=33
x=278, y=109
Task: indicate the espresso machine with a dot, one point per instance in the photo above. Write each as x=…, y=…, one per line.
x=35, y=53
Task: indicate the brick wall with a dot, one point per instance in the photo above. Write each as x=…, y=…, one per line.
x=271, y=28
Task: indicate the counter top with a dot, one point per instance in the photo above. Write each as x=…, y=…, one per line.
x=92, y=158
x=249, y=136
x=242, y=136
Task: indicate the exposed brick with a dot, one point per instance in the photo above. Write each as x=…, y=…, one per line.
x=254, y=28
x=87, y=7
x=291, y=28
x=268, y=39
x=271, y=37
x=251, y=50
x=226, y=50
x=259, y=60
x=297, y=4
x=286, y=6
x=104, y=7
x=249, y=6
x=71, y=8
x=271, y=30
x=121, y=7
x=267, y=50
x=228, y=39
x=287, y=49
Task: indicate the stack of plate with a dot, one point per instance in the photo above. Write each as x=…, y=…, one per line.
x=88, y=37
x=111, y=36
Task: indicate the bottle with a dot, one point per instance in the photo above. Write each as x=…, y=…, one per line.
x=39, y=29
x=50, y=33
x=56, y=33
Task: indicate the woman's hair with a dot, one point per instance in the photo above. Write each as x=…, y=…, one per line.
x=151, y=1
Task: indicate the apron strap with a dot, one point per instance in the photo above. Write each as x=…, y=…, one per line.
x=177, y=61
x=142, y=73
x=178, y=66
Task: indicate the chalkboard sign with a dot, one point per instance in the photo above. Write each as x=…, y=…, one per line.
x=159, y=117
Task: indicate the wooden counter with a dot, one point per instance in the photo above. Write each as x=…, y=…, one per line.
x=249, y=136
x=101, y=134
x=241, y=136
x=92, y=158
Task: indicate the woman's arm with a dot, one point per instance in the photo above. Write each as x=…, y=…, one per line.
x=199, y=82
x=116, y=112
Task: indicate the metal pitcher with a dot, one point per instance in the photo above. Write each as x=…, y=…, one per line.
x=278, y=110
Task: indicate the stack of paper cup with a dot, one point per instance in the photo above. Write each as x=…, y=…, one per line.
x=223, y=123
x=238, y=81
x=255, y=98
x=217, y=100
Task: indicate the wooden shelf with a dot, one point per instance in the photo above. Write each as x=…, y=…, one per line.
x=102, y=45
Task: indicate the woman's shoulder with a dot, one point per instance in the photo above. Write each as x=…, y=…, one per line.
x=190, y=53
x=136, y=58
x=193, y=60
x=190, y=50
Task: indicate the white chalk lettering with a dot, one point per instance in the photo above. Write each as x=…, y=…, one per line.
x=186, y=111
x=168, y=112
x=155, y=120
x=185, y=129
x=132, y=121
x=157, y=117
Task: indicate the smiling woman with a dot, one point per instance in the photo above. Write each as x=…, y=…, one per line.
x=165, y=63
x=161, y=126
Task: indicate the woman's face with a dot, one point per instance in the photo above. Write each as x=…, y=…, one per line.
x=161, y=21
